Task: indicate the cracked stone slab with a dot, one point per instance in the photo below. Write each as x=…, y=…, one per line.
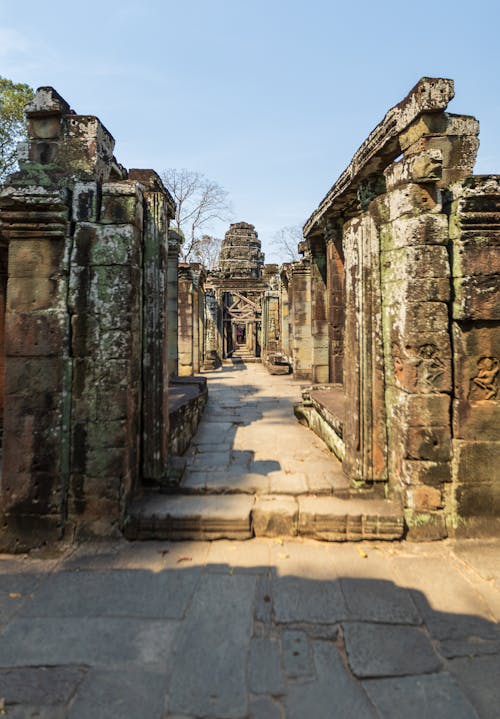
x=191, y=517
x=415, y=697
x=333, y=693
x=209, y=676
x=383, y=650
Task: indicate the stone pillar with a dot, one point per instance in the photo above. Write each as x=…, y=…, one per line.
x=185, y=320
x=106, y=346
x=213, y=351
x=38, y=371
x=301, y=320
x=175, y=240
x=319, y=309
x=474, y=223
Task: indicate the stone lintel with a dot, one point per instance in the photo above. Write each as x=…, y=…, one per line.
x=382, y=145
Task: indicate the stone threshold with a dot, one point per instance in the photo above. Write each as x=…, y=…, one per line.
x=241, y=516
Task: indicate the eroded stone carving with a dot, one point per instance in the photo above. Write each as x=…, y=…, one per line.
x=485, y=383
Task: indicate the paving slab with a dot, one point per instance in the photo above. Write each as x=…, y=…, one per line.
x=99, y=641
x=117, y=593
x=478, y=678
x=334, y=693
x=265, y=675
x=382, y=650
x=265, y=708
x=415, y=697
x=40, y=686
x=376, y=600
x=209, y=676
x=297, y=656
x=301, y=600
x=131, y=693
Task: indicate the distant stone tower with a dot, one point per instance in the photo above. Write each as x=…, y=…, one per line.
x=241, y=254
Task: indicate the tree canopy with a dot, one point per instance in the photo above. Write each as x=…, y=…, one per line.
x=13, y=99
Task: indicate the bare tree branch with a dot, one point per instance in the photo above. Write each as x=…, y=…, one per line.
x=199, y=201
x=286, y=240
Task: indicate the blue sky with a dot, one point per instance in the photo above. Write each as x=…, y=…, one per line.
x=270, y=98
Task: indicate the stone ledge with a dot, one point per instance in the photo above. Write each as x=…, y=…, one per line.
x=334, y=519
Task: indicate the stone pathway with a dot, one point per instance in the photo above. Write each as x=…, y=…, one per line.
x=262, y=629
x=253, y=470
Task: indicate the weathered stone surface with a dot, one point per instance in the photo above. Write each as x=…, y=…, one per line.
x=122, y=593
x=343, y=519
x=378, y=601
x=40, y=686
x=96, y=641
x=135, y=692
x=300, y=600
x=274, y=516
x=297, y=656
x=478, y=679
x=333, y=690
x=378, y=650
x=211, y=655
x=412, y=697
x=264, y=667
x=191, y=517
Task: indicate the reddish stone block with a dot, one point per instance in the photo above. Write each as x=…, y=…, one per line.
x=32, y=335
x=429, y=443
x=28, y=294
x=35, y=258
x=423, y=498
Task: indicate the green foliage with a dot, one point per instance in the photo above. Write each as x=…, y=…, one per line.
x=13, y=99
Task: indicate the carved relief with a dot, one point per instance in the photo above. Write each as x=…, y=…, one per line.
x=418, y=368
x=484, y=385
x=429, y=366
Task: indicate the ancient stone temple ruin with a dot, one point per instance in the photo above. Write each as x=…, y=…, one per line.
x=84, y=343
x=390, y=324
x=236, y=289
x=400, y=294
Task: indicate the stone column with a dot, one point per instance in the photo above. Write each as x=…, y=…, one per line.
x=185, y=320
x=319, y=305
x=301, y=320
x=175, y=240
x=38, y=372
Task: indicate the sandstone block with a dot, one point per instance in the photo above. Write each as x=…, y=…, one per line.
x=429, y=443
x=275, y=516
x=35, y=258
x=423, y=498
x=425, y=472
x=33, y=334
x=27, y=294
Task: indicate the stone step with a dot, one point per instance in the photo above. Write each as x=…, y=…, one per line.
x=241, y=516
x=160, y=516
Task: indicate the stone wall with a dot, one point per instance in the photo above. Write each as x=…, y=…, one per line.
x=85, y=334
x=191, y=318
x=406, y=238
